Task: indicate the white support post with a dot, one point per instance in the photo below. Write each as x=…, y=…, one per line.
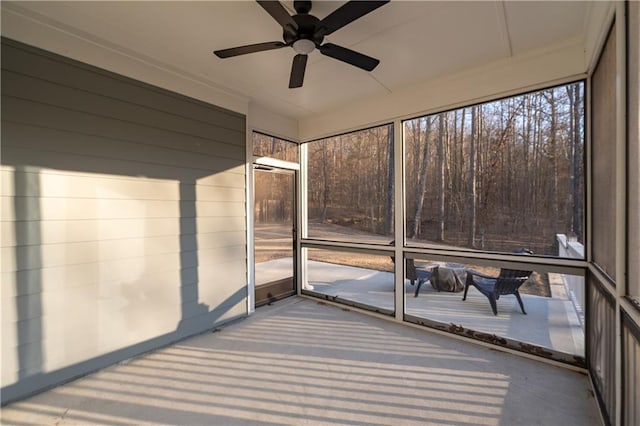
x=398, y=228
x=621, y=191
x=302, y=216
x=588, y=234
x=251, y=270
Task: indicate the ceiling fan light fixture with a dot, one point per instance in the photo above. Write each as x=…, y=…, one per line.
x=303, y=46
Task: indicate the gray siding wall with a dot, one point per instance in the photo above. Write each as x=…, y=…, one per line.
x=122, y=214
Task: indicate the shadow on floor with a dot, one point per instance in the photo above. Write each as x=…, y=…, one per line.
x=300, y=361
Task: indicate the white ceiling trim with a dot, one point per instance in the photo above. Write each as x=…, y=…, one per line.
x=264, y=120
x=600, y=16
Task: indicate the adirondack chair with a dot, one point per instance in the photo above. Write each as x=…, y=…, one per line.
x=507, y=282
x=412, y=274
x=410, y=267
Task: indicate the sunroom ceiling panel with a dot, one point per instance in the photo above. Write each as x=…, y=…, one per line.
x=327, y=83
x=536, y=24
x=415, y=41
x=453, y=37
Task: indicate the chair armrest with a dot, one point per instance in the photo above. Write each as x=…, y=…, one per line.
x=423, y=274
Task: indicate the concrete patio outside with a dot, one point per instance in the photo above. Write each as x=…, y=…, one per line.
x=551, y=322
x=300, y=361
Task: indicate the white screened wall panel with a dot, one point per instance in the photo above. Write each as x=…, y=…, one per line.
x=122, y=214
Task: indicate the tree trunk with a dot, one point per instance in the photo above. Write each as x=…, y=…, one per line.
x=326, y=184
x=388, y=210
x=440, y=179
x=553, y=152
x=422, y=182
x=471, y=191
x=573, y=92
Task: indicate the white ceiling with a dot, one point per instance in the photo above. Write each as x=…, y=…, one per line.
x=414, y=40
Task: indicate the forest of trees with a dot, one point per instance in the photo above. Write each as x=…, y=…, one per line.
x=500, y=175
x=350, y=180
x=495, y=176
x=273, y=192
x=269, y=146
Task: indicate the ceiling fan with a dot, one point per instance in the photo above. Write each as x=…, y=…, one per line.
x=304, y=33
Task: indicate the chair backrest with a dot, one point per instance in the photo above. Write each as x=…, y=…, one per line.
x=510, y=280
x=411, y=272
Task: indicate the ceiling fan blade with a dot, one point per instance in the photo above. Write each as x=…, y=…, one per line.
x=345, y=14
x=251, y=48
x=349, y=56
x=297, y=71
x=279, y=13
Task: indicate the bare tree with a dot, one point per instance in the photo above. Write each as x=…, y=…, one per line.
x=493, y=175
x=388, y=211
x=471, y=191
x=440, y=177
x=575, y=100
x=422, y=180
x=553, y=157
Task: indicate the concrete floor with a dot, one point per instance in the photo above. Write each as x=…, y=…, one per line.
x=274, y=270
x=302, y=362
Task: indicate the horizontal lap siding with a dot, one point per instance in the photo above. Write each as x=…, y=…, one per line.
x=122, y=212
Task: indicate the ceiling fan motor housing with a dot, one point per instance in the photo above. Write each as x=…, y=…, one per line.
x=302, y=6
x=307, y=29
